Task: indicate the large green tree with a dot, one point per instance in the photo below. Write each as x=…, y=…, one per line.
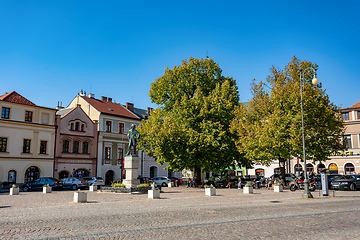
x=191, y=127
x=270, y=127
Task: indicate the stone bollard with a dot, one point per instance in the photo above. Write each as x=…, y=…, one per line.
x=80, y=197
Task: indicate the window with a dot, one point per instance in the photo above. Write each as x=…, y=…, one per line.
x=108, y=126
x=76, y=147
x=45, y=118
x=121, y=127
x=28, y=116
x=347, y=140
x=107, y=152
x=72, y=126
x=77, y=126
x=43, y=145
x=3, y=144
x=345, y=116
x=12, y=176
x=26, y=146
x=358, y=115
x=65, y=146
x=85, y=147
x=5, y=112
x=349, y=168
x=82, y=127
x=120, y=156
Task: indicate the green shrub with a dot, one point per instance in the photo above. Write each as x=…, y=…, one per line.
x=144, y=185
x=117, y=184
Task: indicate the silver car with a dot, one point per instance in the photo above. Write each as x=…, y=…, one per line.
x=99, y=181
x=161, y=181
x=74, y=183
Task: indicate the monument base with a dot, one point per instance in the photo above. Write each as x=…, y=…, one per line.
x=131, y=166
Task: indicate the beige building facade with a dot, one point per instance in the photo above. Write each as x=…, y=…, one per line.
x=27, y=139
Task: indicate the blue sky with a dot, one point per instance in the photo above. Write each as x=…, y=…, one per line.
x=50, y=50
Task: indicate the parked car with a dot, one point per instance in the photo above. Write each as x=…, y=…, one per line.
x=144, y=180
x=347, y=182
x=174, y=179
x=99, y=181
x=289, y=177
x=74, y=183
x=160, y=181
x=40, y=182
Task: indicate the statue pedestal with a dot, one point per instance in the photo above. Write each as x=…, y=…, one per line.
x=131, y=166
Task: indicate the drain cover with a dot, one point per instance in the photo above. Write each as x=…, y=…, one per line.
x=275, y=201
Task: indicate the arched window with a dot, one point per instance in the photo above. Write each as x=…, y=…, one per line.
x=12, y=176
x=333, y=168
x=31, y=174
x=65, y=146
x=85, y=147
x=309, y=168
x=349, y=168
x=82, y=127
x=320, y=167
x=76, y=147
x=63, y=174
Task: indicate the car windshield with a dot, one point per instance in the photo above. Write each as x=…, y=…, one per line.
x=349, y=177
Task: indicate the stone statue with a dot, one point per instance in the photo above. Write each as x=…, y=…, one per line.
x=133, y=136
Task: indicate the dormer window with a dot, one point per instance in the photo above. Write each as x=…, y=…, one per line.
x=77, y=126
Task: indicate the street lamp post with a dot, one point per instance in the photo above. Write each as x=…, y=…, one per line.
x=306, y=193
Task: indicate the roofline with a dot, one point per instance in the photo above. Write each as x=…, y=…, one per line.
x=116, y=115
x=30, y=105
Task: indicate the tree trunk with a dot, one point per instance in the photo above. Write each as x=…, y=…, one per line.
x=282, y=170
x=197, y=174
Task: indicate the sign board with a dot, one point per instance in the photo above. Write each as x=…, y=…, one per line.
x=324, y=184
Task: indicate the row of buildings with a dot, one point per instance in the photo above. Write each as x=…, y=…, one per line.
x=87, y=138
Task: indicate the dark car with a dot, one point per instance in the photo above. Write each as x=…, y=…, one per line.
x=347, y=182
x=40, y=182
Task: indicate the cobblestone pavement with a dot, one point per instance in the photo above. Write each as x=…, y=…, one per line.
x=181, y=213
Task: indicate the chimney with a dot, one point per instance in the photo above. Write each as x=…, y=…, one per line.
x=59, y=106
x=91, y=95
x=149, y=109
x=103, y=98
x=109, y=99
x=82, y=93
x=130, y=106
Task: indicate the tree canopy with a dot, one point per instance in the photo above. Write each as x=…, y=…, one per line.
x=191, y=128
x=269, y=128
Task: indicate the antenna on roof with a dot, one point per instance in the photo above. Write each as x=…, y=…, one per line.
x=207, y=55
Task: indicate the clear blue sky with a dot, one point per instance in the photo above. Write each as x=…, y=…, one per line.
x=50, y=50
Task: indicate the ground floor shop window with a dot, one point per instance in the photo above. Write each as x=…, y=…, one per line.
x=320, y=167
x=31, y=174
x=349, y=168
x=298, y=169
x=80, y=173
x=309, y=168
x=63, y=174
x=333, y=168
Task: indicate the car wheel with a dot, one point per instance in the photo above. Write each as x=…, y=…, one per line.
x=352, y=187
x=74, y=187
x=25, y=188
x=164, y=184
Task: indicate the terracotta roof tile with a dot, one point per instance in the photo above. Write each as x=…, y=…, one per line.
x=14, y=97
x=110, y=108
x=355, y=106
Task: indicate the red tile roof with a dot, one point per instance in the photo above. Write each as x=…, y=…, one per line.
x=110, y=108
x=14, y=97
x=355, y=106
